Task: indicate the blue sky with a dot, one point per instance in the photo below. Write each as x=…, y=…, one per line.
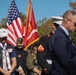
x=42, y=8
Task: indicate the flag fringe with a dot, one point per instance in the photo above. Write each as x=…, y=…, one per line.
x=31, y=43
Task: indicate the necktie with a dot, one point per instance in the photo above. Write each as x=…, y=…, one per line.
x=71, y=40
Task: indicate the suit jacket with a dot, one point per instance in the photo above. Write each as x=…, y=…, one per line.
x=63, y=54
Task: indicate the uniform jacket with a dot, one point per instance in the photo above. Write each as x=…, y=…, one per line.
x=43, y=53
x=63, y=54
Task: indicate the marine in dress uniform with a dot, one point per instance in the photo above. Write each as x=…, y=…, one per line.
x=43, y=52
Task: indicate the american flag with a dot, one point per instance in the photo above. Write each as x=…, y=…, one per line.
x=14, y=24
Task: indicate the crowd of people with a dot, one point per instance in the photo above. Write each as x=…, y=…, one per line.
x=53, y=54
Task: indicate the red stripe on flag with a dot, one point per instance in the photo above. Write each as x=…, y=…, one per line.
x=19, y=26
x=15, y=33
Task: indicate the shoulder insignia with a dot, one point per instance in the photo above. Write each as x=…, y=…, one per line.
x=40, y=48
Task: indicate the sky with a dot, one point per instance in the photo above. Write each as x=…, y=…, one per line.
x=42, y=8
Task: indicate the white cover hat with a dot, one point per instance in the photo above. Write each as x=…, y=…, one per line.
x=57, y=19
x=3, y=33
x=58, y=22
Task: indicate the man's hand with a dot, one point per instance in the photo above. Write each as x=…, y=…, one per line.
x=21, y=72
x=7, y=73
x=45, y=70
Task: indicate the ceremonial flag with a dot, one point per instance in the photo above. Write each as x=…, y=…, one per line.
x=31, y=32
x=14, y=24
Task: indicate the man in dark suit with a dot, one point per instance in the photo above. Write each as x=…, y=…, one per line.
x=43, y=53
x=62, y=49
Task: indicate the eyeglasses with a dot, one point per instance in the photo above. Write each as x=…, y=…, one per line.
x=75, y=24
x=72, y=22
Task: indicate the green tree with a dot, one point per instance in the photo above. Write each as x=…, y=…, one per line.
x=73, y=7
x=22, y=17
x=3, y=22
x=44, y=26
x=73, y=35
